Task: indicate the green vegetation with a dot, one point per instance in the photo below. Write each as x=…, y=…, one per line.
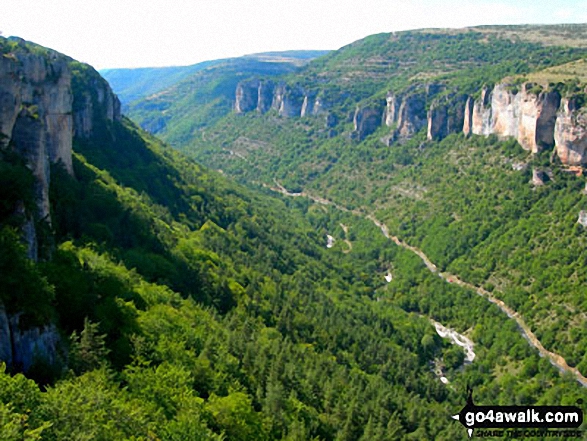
x=460, y=200
x=134, y=84
x=193, y=97
x=191, y=307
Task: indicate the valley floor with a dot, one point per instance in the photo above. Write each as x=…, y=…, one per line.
x=555, y=359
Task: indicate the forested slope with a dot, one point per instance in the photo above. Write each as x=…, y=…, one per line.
x=500, y=214
x=189, y=307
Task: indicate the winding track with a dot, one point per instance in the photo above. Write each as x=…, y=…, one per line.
x=557, y=360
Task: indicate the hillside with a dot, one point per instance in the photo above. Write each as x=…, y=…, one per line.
x=468, y=144
x=133, y=84
x=156, y=299
x=165, y=96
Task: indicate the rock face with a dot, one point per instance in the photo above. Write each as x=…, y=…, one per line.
x=265, y=95
x=39, y=114
x=538, y=120
x=46, y=101
x=254, y=95
x=22, y=348
x=366, y=120
x=446, y=116
x=481, y=120
x=247, y=96
x=468, y=116
x=539, y=177
x=309, y=105
x=36, y=115
x=392, y=109
x=95, y=104
x=291, y=102
x=407, y=113
x=528, y=117
x=570, y=133
x=412, y=115
x=507, y=112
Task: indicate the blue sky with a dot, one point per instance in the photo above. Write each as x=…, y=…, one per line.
x=140, y=33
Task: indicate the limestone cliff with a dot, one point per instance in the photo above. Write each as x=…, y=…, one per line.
x=535, y=118
x=526, y=116
x=468, y=116
x=95, y=106
x=261, y=95
x=265, y=96
x=446, y=115
x=247, y=96
x=406, y=113
x=47, y=101
x=291, y=102
x=570, y=133
x=36, y=117
x=310, y=104
x=481, y=118
x=21, y=348
x=366, y=120
x=40, y=114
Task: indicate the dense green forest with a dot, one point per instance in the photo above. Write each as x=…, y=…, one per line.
x=224, y=314
x=468, y=203
x=191, y=307
x=459, y=200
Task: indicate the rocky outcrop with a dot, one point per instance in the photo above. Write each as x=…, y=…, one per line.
x=537, y=119
x=310, y=104
x=321, y=106
x=288, y=101
x=265, y=96
x=505, y=111
x=392, y=109
x=481, y=120
x=46, y=101
x=468, y=116
x=247, y=96
x=508, y=112
x=278, y=95
x=366, y=120
x=526, y=116
x=570, y=133
x=539, y=177
x=412, y=115
x=36, y=115
x=40, y=114
x=254, y=95
x=95, y=106
x=406, y=113
x=446, y=116
x=291, y=102
x=21, y=348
